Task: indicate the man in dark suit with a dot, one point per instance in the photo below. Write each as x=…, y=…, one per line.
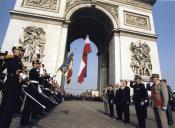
x=111, y=100
x=140, y=99
x=117, y=99
x=125, y=102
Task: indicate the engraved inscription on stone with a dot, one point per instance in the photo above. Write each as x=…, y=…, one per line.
x=136, y=20
x=33, y=41
x=45, y=4
x=140, y=59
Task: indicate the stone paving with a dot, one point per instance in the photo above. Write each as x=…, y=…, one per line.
x=82, y=114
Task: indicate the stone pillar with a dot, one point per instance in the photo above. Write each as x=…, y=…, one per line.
x=61, y=51
x=99, y=72
x=114, y=60
x=102, y=73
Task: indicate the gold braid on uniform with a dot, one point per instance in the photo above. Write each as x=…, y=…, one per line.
x=10, y=56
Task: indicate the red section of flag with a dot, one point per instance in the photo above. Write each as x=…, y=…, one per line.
x=69, y=74
x=87, y=47
x=82, y=75
x=83, y=66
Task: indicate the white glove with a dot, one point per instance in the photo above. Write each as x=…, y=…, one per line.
x=164, y=108
x=142, y=103
x=111, y=101
x=146, y=101
x=24, y=85
x=22, y=76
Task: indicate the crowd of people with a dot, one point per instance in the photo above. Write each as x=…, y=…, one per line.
x=162, y=101
x=81, y=97
x=30, y=94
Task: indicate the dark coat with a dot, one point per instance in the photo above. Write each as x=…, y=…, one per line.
x=118, y=96
x=110, y=96
x=125, y=95
x=12, y=64
x=34, y=74
x=140, y=92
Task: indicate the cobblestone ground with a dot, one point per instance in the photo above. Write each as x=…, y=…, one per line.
x=82, y=114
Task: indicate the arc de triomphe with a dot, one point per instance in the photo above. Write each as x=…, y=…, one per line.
x=123, y=31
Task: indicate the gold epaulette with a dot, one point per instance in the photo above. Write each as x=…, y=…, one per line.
x=9, y=56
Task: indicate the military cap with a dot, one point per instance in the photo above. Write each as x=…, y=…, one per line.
x=2, y=54
x=14, y=48
x=21, y=48
x=155, y=76
x=137, y=77
x=18, y=47
x=36, y=62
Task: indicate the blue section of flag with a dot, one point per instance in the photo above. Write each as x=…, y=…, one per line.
x=85, y=74
x=65, y=66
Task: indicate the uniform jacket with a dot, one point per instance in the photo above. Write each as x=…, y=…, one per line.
x=159, y=95
x=12, y=64
x=34, y=74
x=140, y=92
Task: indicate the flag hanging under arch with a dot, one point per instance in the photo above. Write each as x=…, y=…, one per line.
x=83, y=66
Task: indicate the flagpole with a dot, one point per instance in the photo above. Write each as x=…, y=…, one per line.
x=59, y=68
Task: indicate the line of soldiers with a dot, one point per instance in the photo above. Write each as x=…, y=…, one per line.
x=161, y=97
x=35, y=91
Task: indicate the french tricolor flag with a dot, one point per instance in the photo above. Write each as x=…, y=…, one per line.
x=83, y=66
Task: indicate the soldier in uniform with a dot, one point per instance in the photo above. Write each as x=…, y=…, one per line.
x=31, y=89
x=140, y=99
x=159, y=96
x=33, y=110
x=11, y=89
x=2, y=75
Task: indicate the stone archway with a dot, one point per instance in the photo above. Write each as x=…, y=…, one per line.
x=116, y=26
x=95, y=23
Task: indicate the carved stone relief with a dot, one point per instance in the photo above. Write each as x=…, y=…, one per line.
x=140, y=59
x=45, y=4
x=136, y=20
x=33, y=41
x=138, y=3
x=111, y=8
